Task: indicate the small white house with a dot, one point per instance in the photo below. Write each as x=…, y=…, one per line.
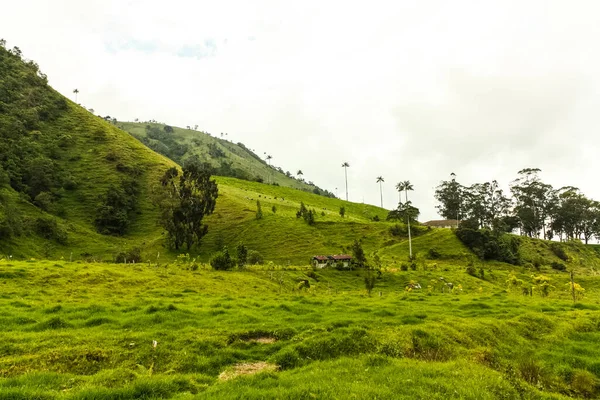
x=337, y=260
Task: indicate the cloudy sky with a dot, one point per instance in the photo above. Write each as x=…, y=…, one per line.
x=404, y=89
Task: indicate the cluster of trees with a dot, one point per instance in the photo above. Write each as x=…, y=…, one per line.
x=224, y=261
x=28, y=154
x=534, y=208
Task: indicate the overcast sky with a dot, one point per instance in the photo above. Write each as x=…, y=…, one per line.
x=410, y=90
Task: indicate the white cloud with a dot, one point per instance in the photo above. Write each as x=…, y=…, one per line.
x=407, y=90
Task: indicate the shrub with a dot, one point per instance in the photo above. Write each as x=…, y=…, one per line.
x=222, y=260
x=44, y=200
x=559, y=251
x=558, y=266
x=259, y=213
x=369, y=282
x=413, y=265
x=132, y=255
x=434, y=253
x=398, y=230
x=404, y=267
x=471, y=270
x=342, y=211
x=254, y=257
x=48, y=228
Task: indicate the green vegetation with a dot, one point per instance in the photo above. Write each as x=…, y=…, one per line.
x=422, y=313
x=80, y=331
x=235, y=160
x=184, y=201
x=535, y=208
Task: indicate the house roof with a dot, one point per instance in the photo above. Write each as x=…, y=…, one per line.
x=442, y=222
x=336, y=257
x=341, y=257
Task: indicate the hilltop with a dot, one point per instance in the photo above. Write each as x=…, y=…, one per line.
x=229, y=159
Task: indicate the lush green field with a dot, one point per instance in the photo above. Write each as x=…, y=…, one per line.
x=86, y=331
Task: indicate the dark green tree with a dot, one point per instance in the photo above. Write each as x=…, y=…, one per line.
x=242, y=254
x=450, y=195
x=359, y=258
x=186, y=199
x=259, y=213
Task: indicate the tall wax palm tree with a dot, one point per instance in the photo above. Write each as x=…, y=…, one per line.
x=299, y=173
x=406, y=186
x=76, y=91
x=380, y=180
x=345, y=165
x=399, y=189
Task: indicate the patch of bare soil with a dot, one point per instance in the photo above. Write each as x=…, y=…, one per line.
x=247, y=369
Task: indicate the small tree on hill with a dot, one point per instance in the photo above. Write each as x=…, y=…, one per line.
x=259, y=213
x=358, y=254
x=342, y=211
x=306, y=214
x=242, y=254
x=185, y=200
x=369, y=281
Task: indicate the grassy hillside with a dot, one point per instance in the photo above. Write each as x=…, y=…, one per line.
x=86, y=331
x=58, y=161
x=230, y=159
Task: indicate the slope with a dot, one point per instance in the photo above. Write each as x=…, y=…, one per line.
x=228, y=158
x=57, y=163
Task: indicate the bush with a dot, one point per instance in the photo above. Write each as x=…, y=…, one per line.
x=434, y=254
x=471, y=270
x=559, y=251
x=404, y=267
x=254, y=257
x=48, y=229
x=132, y=255
x=558, y=266
x=398, y=230
x=222, y=261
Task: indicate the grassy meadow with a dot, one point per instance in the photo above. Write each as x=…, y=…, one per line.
x=87, y=331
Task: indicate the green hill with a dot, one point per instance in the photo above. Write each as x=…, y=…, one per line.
x=57, y=162
x=228, y=158
x=62, y=170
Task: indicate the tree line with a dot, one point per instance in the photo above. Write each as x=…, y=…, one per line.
x=533, y=207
